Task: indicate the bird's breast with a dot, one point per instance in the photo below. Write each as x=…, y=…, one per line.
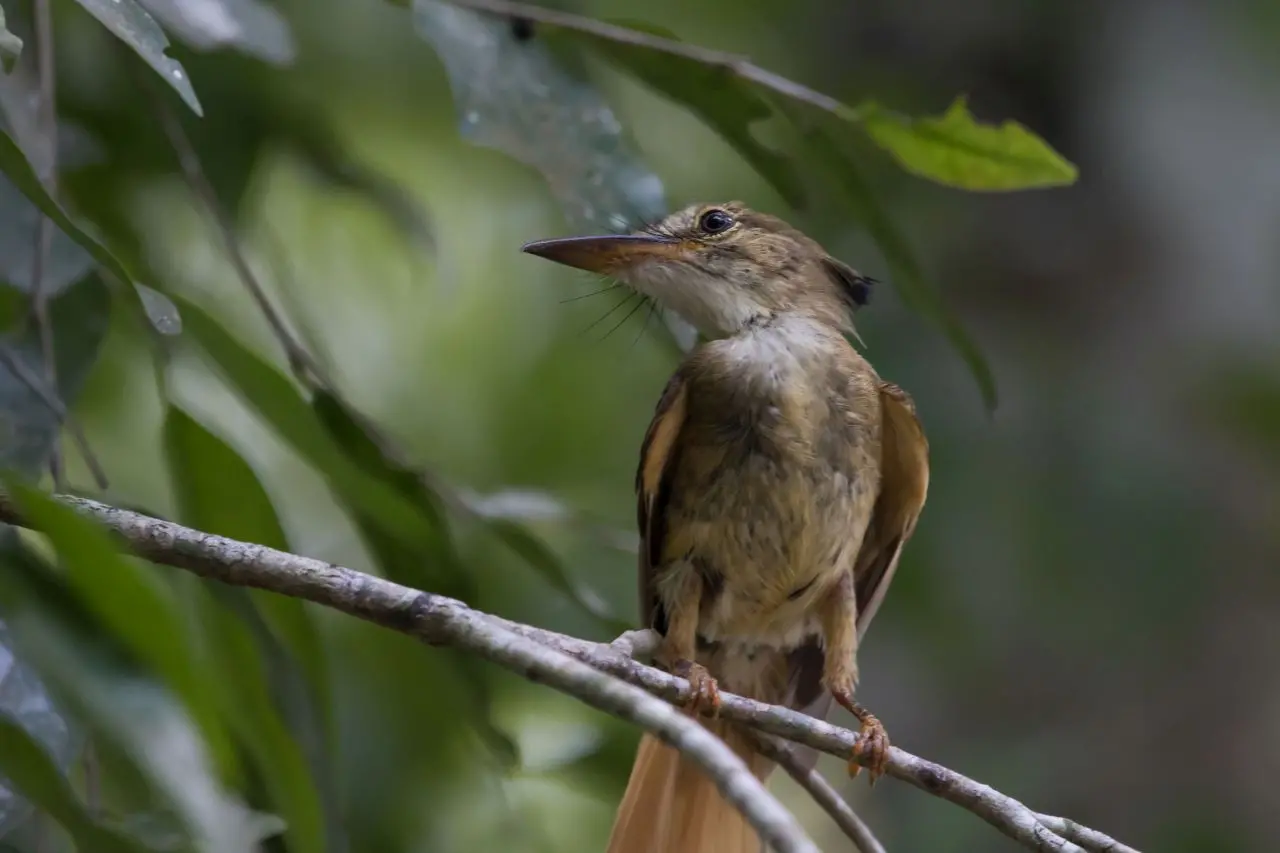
x=777, y=477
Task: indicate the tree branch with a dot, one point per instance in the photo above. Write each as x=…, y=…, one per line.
x=549, y=659
x=820, y=789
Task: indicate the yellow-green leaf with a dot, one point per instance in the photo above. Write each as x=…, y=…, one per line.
x=957, y=150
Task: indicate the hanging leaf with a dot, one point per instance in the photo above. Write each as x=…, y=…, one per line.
x=130, y=603
x=25, y=701
x=247, y=701
x=129, y=22
x=217, y=491
x=255, y=658
x=96, y=675
x=956, y=150
x=281, y=405
x=249, y=26
x=724, y=101
x=511, y=95
x=438, y=569
x=31, y=770
x=548, y=565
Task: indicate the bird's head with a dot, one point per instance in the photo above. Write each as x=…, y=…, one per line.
x=722, y=267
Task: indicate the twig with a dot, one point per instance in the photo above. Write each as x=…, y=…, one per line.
x=637, y=645
x=1089, y=839
x=300, y=361
x=820, y=789
x=303, y=364
x=27, y=377
x=444, y=620
x=733, y=62
x=47, y=125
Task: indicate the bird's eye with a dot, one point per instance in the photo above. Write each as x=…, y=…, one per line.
x=715, y=221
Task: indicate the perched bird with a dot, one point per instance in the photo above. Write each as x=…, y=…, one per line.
x=778, y=482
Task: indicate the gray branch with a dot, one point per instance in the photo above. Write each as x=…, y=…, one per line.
x=823, y=793
x=580, y=668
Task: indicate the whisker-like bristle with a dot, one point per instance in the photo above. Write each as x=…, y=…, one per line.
x=588, y=295
x=624, y=320
x=630, y=295
x=653, y=306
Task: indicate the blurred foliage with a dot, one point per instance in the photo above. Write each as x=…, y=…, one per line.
x=10, y=45
x=379, y=165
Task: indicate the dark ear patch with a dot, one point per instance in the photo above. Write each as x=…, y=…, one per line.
x=854, y=286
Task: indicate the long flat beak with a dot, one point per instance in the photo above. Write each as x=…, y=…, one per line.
x=607, y=254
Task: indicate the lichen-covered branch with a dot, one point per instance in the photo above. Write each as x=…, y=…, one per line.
x=592, y=672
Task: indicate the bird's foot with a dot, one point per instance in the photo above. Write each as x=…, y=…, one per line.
x=705, y=693
x=872, y=749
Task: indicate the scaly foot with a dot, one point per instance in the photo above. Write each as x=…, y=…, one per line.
x=706, y=693
x=872, y=750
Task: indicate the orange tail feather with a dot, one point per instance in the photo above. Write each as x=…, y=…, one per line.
x=671, y=806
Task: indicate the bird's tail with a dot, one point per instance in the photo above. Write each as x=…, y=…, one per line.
x=671, y=806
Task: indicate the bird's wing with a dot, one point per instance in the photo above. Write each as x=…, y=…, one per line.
x=904, y=483
x=658, y=456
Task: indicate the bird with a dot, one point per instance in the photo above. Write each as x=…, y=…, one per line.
x=779, y=480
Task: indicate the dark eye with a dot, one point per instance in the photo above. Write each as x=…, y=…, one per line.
x=715, y=221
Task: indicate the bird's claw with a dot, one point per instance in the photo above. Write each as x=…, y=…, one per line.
x=872, y=748
x=704, y=692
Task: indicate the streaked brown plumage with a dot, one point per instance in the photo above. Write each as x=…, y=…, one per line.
x=778, y=482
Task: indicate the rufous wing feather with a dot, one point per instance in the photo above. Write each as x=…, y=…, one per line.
x=670, y=805
x=659, y=454
x=904, y=485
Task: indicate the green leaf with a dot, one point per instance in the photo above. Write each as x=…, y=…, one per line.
x=511, y=94
x=721, y=99
x=130, y=603
x=548, y=565
x=395, y=513
x=281, y=405
x=133, y=25
x=258, y=642
x=96, y=677
x=918, y=294
x=956, y=150
x=438, y=569
x=245, y=684
x=216, y=491
x=29, y=768
x=10, y=45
